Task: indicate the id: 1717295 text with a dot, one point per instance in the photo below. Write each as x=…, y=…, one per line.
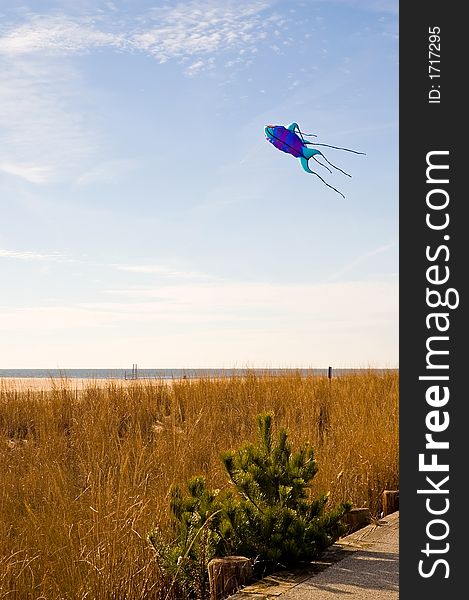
x=434, y=93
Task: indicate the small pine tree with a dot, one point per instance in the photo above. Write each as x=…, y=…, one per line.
x=196, y=525
x=273, y=518
x=268, y=518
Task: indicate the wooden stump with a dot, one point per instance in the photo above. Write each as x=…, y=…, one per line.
x=356, y=519
x=390, y=500
x=227, y=575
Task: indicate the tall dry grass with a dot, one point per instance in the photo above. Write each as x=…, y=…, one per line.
x=84, y=476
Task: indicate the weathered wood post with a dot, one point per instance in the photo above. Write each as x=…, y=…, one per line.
x=227, y=575
x=390, y=501
x=356, y=519
x=329, y=373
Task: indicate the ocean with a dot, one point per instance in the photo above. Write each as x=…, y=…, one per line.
x=133, y=373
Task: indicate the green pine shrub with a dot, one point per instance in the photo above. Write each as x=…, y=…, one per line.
x=197, y=523
x=272, y=518
x=268, y=517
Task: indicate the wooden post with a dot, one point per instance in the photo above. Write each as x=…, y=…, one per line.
x=329, y=372
x=227, y=575
x=356, y=519
x=390, y=500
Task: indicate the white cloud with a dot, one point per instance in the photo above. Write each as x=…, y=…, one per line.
x=30, y=255
x=145, y=269
x=29, y=172
x=45, y=138
x=56, y=34
x=160, y=270
x=48, y=132
x=198, y=66
x=354, y=304
x=323, y=306
x=219, y=323
x=330, y=301
x=182, y=31
x=196, y=29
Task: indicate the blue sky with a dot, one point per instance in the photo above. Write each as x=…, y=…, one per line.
x=144, y=216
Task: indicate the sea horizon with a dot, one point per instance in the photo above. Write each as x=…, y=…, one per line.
x=175, y=373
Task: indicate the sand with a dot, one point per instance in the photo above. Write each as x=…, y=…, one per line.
x=46, y=384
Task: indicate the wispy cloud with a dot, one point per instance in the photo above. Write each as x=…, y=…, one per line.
x=33, y=173
x=323, y=306
x=57, y=34
x=222, y=323
x=45, y=137
x=47, y=128
x=185, y=31
x=160, y=270
x=363, y=258
x=163, y=271
x=196, y=29
x=31, y=255
x=321, y=303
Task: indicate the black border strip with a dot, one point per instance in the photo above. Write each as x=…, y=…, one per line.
x=431, y=120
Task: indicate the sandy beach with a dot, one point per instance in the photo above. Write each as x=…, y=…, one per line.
x=73, y=383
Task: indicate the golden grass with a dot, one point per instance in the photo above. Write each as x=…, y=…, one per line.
x=84, y=475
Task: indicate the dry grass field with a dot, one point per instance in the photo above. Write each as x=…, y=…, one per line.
x=85, y=474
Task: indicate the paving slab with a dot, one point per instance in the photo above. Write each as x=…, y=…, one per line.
x=361, y=566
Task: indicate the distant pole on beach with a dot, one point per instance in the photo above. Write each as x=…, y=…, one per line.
x=134, y=372
x=329, y=373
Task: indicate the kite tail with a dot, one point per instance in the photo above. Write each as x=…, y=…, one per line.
x=324, y=166
x=335, y=167
x=311, y=152
x=304, y=163
x=336, y=147
x=330, y=186
x=307, y=134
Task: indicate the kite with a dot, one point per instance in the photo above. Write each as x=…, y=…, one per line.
x=290, y=140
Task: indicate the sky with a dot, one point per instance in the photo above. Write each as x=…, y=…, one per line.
x=146, y=219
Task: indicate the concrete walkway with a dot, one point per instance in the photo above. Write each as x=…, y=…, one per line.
x=361, y=566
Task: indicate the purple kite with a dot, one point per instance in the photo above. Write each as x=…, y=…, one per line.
x=290, y=140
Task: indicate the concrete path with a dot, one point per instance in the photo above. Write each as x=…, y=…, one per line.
x=361, y=566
